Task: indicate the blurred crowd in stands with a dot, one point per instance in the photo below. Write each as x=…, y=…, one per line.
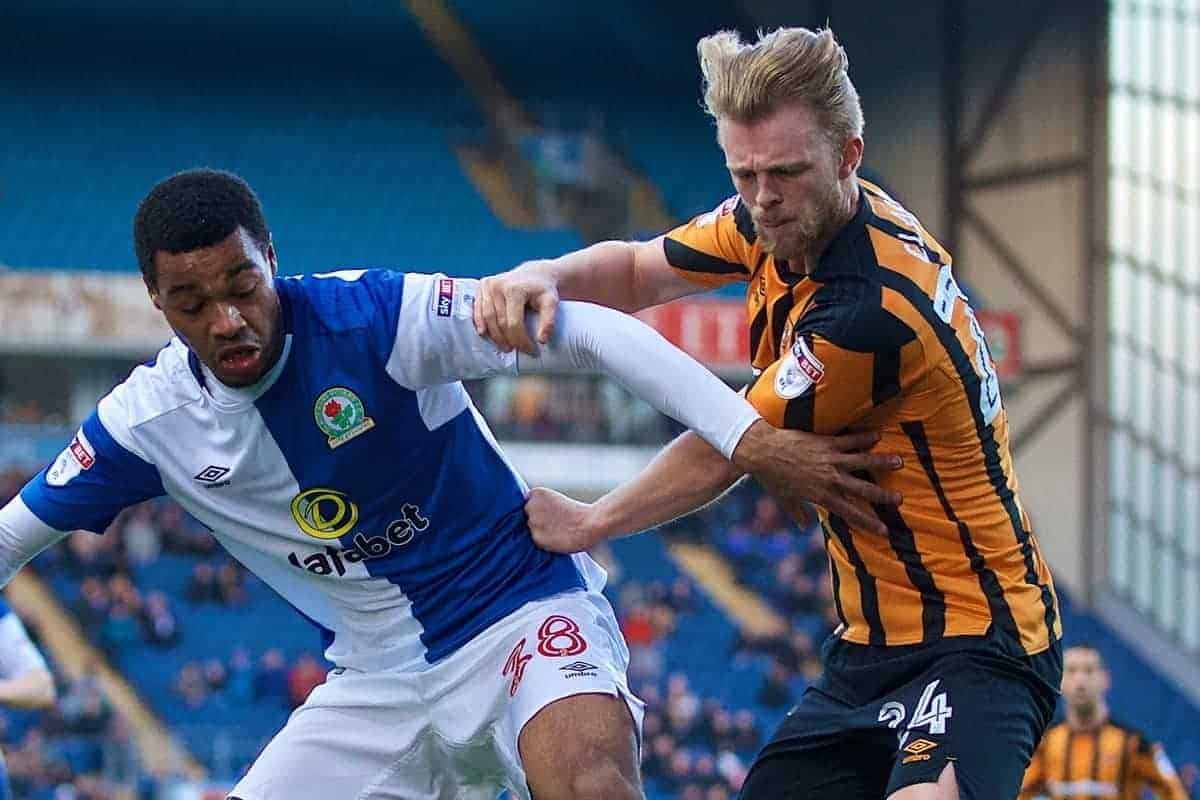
x=568, y=408
x=28, y=413
x=241, y=681
x=693, y=747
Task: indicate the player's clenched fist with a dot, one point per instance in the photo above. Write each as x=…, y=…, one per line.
x=560, y=524
x=500, y=307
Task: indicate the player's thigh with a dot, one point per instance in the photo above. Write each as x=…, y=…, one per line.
x=355, y=737
x=847, y=769
x=569, y=718
x=582, y=746
x=978, y=713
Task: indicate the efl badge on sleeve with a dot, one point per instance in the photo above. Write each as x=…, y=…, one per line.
x=341, y=416
x=799, y=371
x=78, y=456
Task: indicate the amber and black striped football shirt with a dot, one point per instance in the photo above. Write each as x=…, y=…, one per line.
x=879, y=337
x=1112, y=761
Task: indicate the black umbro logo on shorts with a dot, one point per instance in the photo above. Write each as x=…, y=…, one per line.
x=579, y=668
x=212, y=476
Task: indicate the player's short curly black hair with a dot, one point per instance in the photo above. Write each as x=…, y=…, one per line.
x=194, y=209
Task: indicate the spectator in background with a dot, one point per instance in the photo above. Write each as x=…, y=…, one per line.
x=159, y=626
x=216, y=677
x=202, y=588
x=241, y=677
x=191, y=686
x=181, y=534
x=717, y=792
x=231, y=584
x=89, y=556
x=776, y=690
x=92, y=608
x=271, y=682
x=1076, y=758
x=120, y=630
x=760, y=543
x=747, y=737
x=141, y=536
x=306, y=674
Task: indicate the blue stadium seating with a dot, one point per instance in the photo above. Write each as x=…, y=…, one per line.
x=351, y=156
x=635, y=68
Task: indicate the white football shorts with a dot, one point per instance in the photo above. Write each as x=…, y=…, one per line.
x=449, y=732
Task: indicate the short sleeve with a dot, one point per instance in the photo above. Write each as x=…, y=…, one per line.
x=843, y=362
x=716, y=248
x=436, y=341
x=90, y=482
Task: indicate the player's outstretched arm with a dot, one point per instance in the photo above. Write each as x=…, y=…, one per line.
x=627, y=276
x=794, y=465
x=686, y=475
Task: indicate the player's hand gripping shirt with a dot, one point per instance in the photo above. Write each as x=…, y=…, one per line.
x=356, y=478
x=880, y=338
x=1111, y=761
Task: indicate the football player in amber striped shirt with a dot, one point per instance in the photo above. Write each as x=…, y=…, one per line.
x=1088, y=755
x=944, y=672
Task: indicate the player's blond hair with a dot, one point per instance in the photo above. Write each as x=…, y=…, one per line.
x=743, y=82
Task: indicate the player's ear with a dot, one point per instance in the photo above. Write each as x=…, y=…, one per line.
x=852, y=153
x=153, y=292
x=271, y=257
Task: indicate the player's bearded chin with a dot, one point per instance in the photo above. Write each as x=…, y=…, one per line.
x=814, y=224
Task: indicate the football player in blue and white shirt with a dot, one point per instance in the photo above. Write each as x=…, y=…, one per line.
x=25, y=680
x=318, y=426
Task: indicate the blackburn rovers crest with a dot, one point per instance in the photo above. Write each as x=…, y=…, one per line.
x=341, y=416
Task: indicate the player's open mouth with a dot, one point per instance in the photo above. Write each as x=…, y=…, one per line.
x=239, y=359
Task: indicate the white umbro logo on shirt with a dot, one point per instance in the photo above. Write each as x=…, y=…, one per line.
x=211, y=476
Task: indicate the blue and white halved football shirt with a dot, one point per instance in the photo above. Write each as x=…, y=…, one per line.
x=356, y=478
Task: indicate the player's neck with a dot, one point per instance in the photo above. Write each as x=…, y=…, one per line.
x=1089, y=718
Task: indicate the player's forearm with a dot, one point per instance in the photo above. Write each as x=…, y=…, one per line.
x=636, y=356
x=30, y=690
x=604, y=273
x=687, y=475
